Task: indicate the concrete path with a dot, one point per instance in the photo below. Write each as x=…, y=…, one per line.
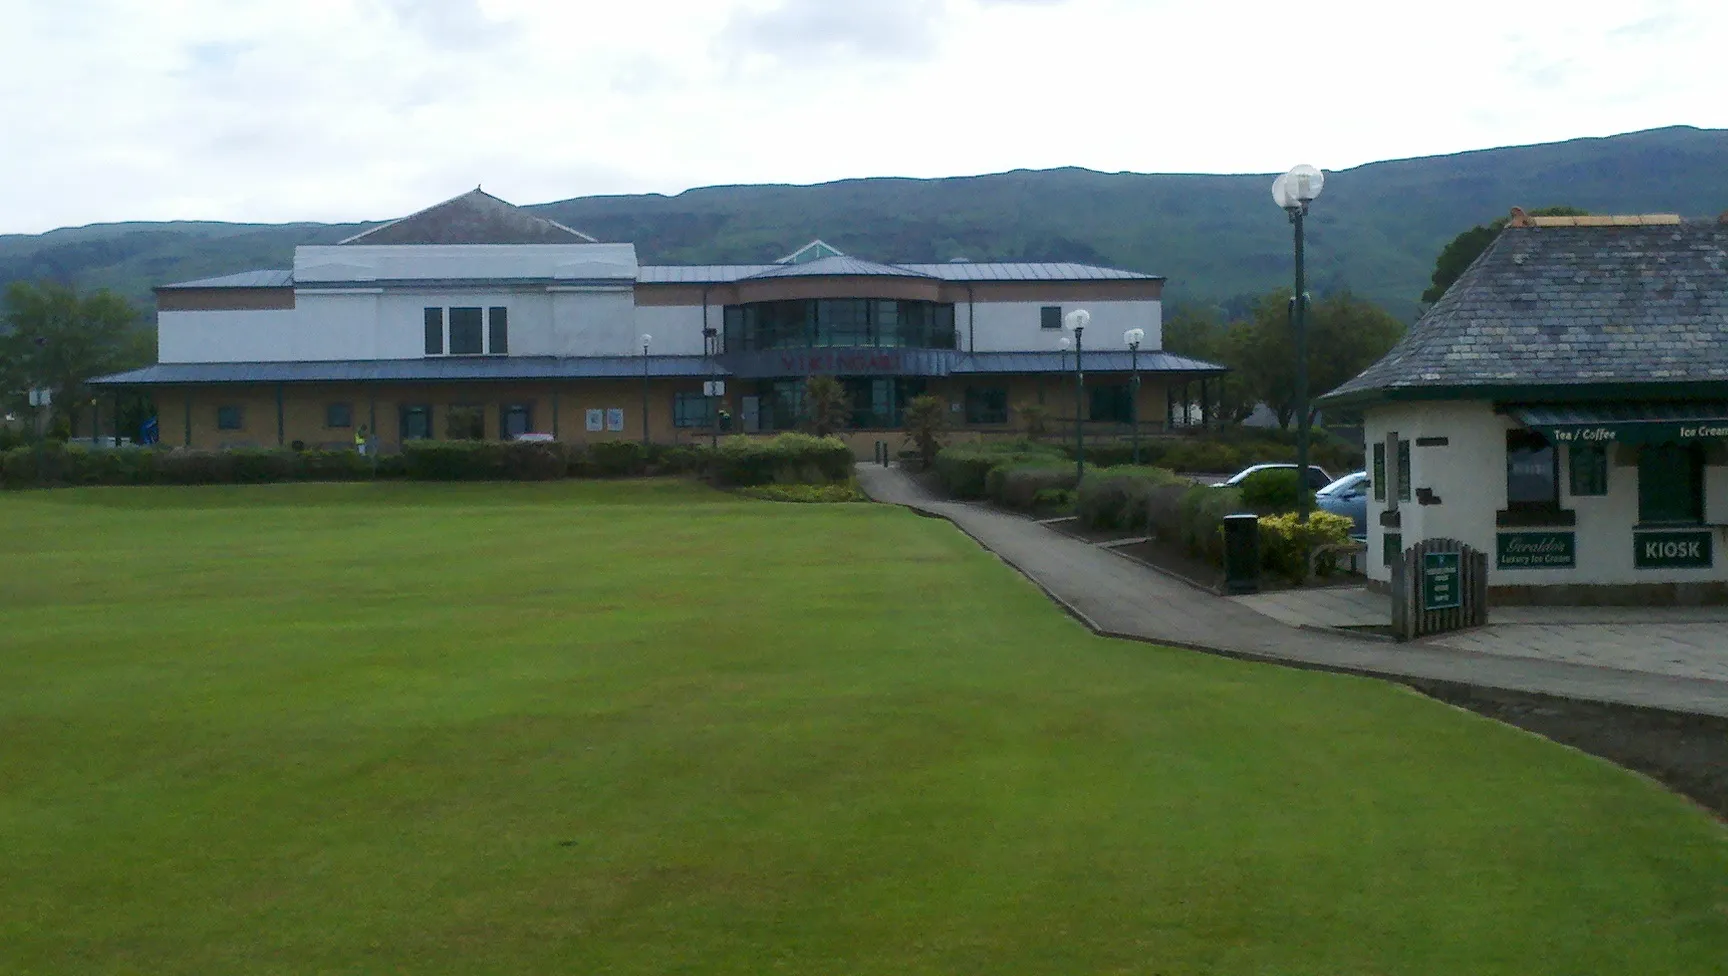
x=1118, y=597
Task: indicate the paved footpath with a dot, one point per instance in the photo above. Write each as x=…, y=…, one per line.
x=1119, y=597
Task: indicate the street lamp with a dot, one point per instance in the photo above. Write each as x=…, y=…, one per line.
x=645, y=340
x=1294, y=191
x=711, y=345
x=1134, y=337
x=1076, y=322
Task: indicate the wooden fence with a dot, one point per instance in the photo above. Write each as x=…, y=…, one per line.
x=1438, y=585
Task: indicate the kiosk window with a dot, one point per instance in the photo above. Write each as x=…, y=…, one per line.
x=1379, y=472
x=1532, y=473
x=1403, y=471
x=1588, y=464
x=1671, y=483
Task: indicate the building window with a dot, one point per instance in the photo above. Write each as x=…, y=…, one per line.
x=498, y=330
x=464, y=422
x=1113, y=403
x=692, y=410
x=466, y=337
x=515, y=419
x=1404, y=471
x=1532, y=472
x=1587, y=465
x=1378, y=473
x=986, y=405
x=434, y=332
x=230, y=418
x=416, y=423
x=839, y=322
x=1671, y=483
x=338, y=415
x=1050, y=317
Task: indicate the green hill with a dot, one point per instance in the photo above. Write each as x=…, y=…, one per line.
x=1375, y=231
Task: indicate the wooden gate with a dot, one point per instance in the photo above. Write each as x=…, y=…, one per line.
x=1438, y=585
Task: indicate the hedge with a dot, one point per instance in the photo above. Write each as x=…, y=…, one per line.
x=1127, y=497
x=787, y=459
x=1200, y=520
x=842, y=492
x=1020, y=485
x=963, y=469
x=1273, y=491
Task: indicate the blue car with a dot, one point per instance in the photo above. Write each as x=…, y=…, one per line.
x=1348, y=496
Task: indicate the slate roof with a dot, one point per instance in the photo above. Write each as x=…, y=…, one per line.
x=475, y=217
x=1100, y=362
x=1549, y=307
x=960, y=271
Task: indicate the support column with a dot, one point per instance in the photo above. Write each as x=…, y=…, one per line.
x=279, y=419
x=554, y=414
x=1205, y=405
x=187, y=394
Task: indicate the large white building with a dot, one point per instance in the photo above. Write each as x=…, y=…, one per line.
x=476, y=319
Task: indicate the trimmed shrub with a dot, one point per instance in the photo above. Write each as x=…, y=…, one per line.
x=1059, y=499
x=963, y=469
x=1285, y=543
x=453, y=460
x=336, y=466
x=1201, y=513
x=257, y=466
x=1209, y=457
x=1122, y=497
x=1274, y=491
x=190, y=467
x=788, y=459
x=843, y=492
x=696, y=459
x=1018, y=485
x=614, y=459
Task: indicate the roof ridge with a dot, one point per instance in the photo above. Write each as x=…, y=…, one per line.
x=466, y=194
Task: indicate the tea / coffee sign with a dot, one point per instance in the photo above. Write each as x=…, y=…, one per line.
x=1671, y=550
x=1535, y=550
x=1440, y=581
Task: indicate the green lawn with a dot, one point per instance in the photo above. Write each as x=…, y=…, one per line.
x=647, y=728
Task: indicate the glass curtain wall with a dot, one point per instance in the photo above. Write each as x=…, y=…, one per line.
x=878, y=402
x=839, y=322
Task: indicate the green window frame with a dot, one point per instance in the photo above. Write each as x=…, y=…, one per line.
x=1110, y=403
x=986, y=404
x=692, y=410
x=1532, y=472
x=1378, y=474
x=515, y=419
x=1404, y=471
x=1587, y=470
x=1671, y=484
x=230, y=417
x=416, y=422
x=338, y=415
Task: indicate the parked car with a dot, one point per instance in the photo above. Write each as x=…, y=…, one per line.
x=1348, y=496
x=1317, y=478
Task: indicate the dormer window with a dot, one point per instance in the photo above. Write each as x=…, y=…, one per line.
x=467, y=330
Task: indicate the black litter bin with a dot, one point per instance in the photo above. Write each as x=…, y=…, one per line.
x=1241, y=554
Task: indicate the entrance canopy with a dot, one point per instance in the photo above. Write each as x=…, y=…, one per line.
x=1626, y=423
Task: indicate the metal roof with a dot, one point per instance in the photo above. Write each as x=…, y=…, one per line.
x=245, y=279
x=838, y=266
x=475, y=217
x=1101, y=362
x=655, y=274
x=430, y=369
x=1026, y=271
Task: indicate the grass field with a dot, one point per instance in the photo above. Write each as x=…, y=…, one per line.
x=646, y=728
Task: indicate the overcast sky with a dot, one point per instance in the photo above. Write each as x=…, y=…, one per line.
x=337, y=110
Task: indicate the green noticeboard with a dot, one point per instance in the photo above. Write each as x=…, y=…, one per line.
x=1441, y=584
x=1535, y=550
x=1671, y=550
x=1391, y=547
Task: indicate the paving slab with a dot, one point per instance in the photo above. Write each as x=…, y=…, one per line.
x=1117, y=596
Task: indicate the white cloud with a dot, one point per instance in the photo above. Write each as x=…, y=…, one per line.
x=353, y=109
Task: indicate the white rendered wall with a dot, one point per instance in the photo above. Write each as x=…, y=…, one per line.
x=677, y=329
x=593, y=323
x=1016, y=326
x=1469, y=476
x=225, y=336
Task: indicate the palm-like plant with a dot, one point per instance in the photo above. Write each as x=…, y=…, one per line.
x=827, y=408
x=926, y=416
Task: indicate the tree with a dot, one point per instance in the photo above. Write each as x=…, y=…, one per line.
x=1036, y=417
x=57, y=339
x=1464, y=249
x=926, y=416
x=827, y=408
x=1345, y=335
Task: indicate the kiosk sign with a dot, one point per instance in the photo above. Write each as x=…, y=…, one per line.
x=1671, y=550
x=1441, y=589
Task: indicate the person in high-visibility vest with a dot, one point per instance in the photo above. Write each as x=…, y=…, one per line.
x=360, y=439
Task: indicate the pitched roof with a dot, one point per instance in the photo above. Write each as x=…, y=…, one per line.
x=245, y=279
x=475, y=217
x=431, y=368
x=813, y=251
x=1553, y=305
x=837, y=266
x=952, y=271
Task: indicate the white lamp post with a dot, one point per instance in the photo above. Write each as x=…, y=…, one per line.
x=1294, y=191
x=1076, y=322
x=645, y=340
x=1134, y=337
